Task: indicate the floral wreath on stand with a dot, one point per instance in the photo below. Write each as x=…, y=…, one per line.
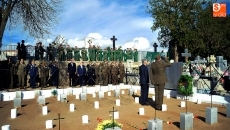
x=185, y=85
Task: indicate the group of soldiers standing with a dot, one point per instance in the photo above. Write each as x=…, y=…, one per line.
x=105, y=73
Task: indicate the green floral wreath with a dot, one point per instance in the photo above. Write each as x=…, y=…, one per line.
x=188, y=89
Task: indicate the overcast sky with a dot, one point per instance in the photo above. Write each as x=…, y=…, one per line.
x=100, y=19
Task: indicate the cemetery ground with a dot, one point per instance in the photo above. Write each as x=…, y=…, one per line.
x=29, y=116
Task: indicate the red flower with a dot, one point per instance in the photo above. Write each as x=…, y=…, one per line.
x=100, y=120
x=169, y=122
x=195, y=116
x=141, y=129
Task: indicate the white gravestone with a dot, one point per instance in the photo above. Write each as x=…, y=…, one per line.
x=182, y=104
x=96, y=104
x=110, y=87
x=93, y=95
x=198, y=101
x=84, y=89
x=118, y=87
x=71, y=107
x=117, y=93
x=97, y=88
x=58, y=97
x=164, y=107
x=141, y=111
x=63, y=97
x=77, y=96
x=44, y=110
x=109, y=93
x=101, y=94
x=6, y=127
x=131, y=91
x=19, y=94
x=168, y=96
x=118, y=102
x=116, y=115
x=69, y=91
x=13, y=113
x=136, y=99
x=122, y=92
x=17, y=102
x=83, y=96
x=49, y=124
x=85, y=119
x=42, y=100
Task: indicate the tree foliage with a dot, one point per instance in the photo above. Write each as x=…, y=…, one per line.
x=36, y=16
x=189, y=24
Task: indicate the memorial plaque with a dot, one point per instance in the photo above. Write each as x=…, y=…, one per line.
x=19, y=94
x=116, y=93
x=17, y=102
x=63, y=98
x=83, y=96
x=101, y=94
x=41, y=100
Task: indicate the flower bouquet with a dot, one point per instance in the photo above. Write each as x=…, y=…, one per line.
x=104, y=124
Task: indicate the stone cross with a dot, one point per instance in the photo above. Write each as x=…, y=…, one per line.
x=199, y=61
x=186, y=54
x=155, y=47
x=113, y=39
x=113, y=115
x=59, y=119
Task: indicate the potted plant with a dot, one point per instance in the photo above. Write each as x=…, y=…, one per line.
x=54, y=93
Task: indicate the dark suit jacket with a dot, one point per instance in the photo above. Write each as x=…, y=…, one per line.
x=33, y=71
x=144, y=74
x=71, y=68
x=157, y=72
x=81, y=71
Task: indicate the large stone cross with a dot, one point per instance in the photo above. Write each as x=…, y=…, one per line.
x=155, y=47
x=59, y=119
x=113, y=115
x=113, y=39
x=186, y=54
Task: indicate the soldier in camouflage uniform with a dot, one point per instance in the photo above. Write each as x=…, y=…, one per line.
x=97, y=72
x=84, y=54
x=135, y=55
x=61, y=53
x=76, y=54
x=121, y=68
x=69, y=51
x=105, y=74
x=114, y=72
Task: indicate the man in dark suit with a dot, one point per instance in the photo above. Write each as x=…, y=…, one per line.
x=71, y=72
x=54, y=74
x=158, y=78
x=144, y=82
x=81, y=71
x=33, y=72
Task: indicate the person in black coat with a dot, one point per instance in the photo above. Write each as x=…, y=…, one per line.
x=90, y=74
x=23, y=47
x=54, y=75
x=144, y=82
x=72, y=72
x=81, y=72
x=19, y=51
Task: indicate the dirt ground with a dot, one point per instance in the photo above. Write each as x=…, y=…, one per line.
x=30, y=114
